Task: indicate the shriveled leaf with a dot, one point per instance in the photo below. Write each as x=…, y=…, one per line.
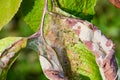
x=80, y=8
x=77, y=61
x=64, y=36
x=96, y=42
x=9, y=48
x=7, y=10
x=7, y=42
x=49, y=61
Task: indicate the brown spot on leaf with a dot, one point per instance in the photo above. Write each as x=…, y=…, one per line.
x=97, y=54
x=77, y=31
x=79, y=27
x=71, y=22
x=63, y=27
x=110, y=67
x=88, y=44
x=91, y=26
x=54, y=75
x=108, y=43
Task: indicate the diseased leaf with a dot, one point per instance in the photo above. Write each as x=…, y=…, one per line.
x=32, y=10
x=7, y=42
x=96, y=42
x=48, y=56
x=80, y=8
x=33, y=44
x=7, y=10
x=64, y=35
x=119, y=73
x=9, y=48
x=66, y=54
x=76, y=60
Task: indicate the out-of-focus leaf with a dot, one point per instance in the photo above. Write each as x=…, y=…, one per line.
x=80, y=8
x=24, y=29
x=9, y=48
x=7, y=10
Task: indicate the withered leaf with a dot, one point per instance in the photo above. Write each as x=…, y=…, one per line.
x=90, y=36
x=49, y=61
x=9, y=48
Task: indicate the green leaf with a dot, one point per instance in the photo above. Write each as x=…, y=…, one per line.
x=7, y=10
x=9, y=48
x=80, y=8
x=88, y=66
x=32, y=12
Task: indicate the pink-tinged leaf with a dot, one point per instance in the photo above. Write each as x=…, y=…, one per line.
x=77, y=62
x=9, y=51
x=115, y=3
x=49, y=61
x=91, y=37
x=101, y=47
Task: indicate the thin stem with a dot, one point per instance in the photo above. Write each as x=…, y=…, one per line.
x=40, y=32
x=43, y=17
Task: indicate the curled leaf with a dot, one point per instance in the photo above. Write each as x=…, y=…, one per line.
x=101, y=47
x=8, y=53
x=76, y=60
x=50, y=62
x=91, y=37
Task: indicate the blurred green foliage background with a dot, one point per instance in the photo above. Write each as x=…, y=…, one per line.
x=26, y=67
